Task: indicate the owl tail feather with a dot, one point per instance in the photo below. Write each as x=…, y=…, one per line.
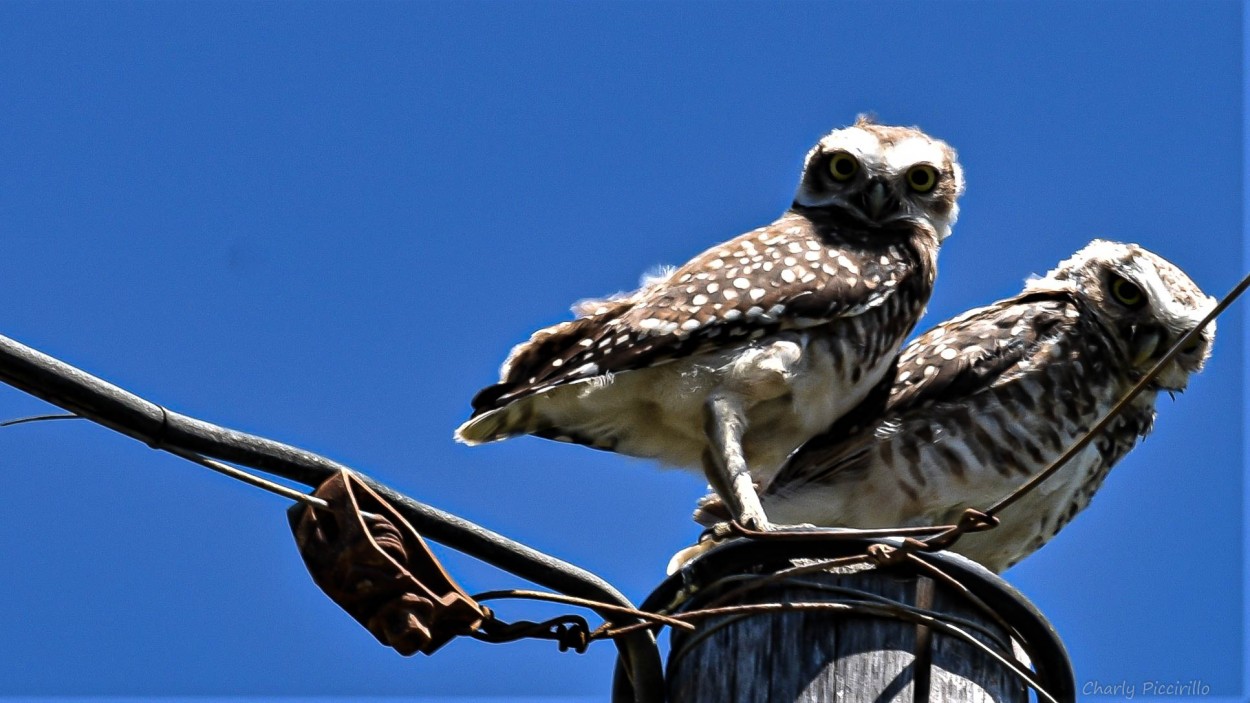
x=512, y=420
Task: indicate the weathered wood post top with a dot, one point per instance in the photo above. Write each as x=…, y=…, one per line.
x=809, y=621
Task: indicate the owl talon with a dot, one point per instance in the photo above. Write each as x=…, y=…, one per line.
x=757, y=523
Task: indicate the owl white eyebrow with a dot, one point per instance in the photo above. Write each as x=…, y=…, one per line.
x=854, y=140
x=912, y=151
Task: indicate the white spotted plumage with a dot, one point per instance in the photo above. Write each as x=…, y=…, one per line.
x=731, y=361
x=986, y=400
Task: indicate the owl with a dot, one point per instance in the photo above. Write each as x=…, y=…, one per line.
x=730, y=362
x=985, y=401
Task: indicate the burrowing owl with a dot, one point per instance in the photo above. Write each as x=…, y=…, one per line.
x=733, y=360
x=986, y=400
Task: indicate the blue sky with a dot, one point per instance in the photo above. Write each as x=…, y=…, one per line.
x=328, y=223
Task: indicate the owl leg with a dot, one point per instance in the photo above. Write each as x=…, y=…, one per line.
x=724, y=462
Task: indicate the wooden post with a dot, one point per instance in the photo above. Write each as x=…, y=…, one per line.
x=860, y=634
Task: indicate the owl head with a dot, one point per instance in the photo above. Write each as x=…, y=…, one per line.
x=880, y=176
x=1143, y=301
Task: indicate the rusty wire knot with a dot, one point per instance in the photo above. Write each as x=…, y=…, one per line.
x=972, y=520
x=569, y=632
x=363, y=554
x=886, y=555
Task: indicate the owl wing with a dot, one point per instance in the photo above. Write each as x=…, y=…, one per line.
x=783, y=276
x=950, y=362
x=973, y=351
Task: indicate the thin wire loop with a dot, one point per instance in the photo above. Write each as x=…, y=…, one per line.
x=40, y=418
x=656, y=618
x=251, y=479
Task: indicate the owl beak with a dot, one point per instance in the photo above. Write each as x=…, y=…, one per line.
x=1147, y=340
x=876, y=200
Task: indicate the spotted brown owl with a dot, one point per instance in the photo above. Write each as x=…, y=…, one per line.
x=730, y=362
x=985, y=401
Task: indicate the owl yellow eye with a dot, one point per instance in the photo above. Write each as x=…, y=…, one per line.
x=922, y=178
x=1126, y=293
x=842, y=166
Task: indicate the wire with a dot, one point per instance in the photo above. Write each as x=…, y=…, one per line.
x=656, y=618
x=252, y=479
x=40, y=418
